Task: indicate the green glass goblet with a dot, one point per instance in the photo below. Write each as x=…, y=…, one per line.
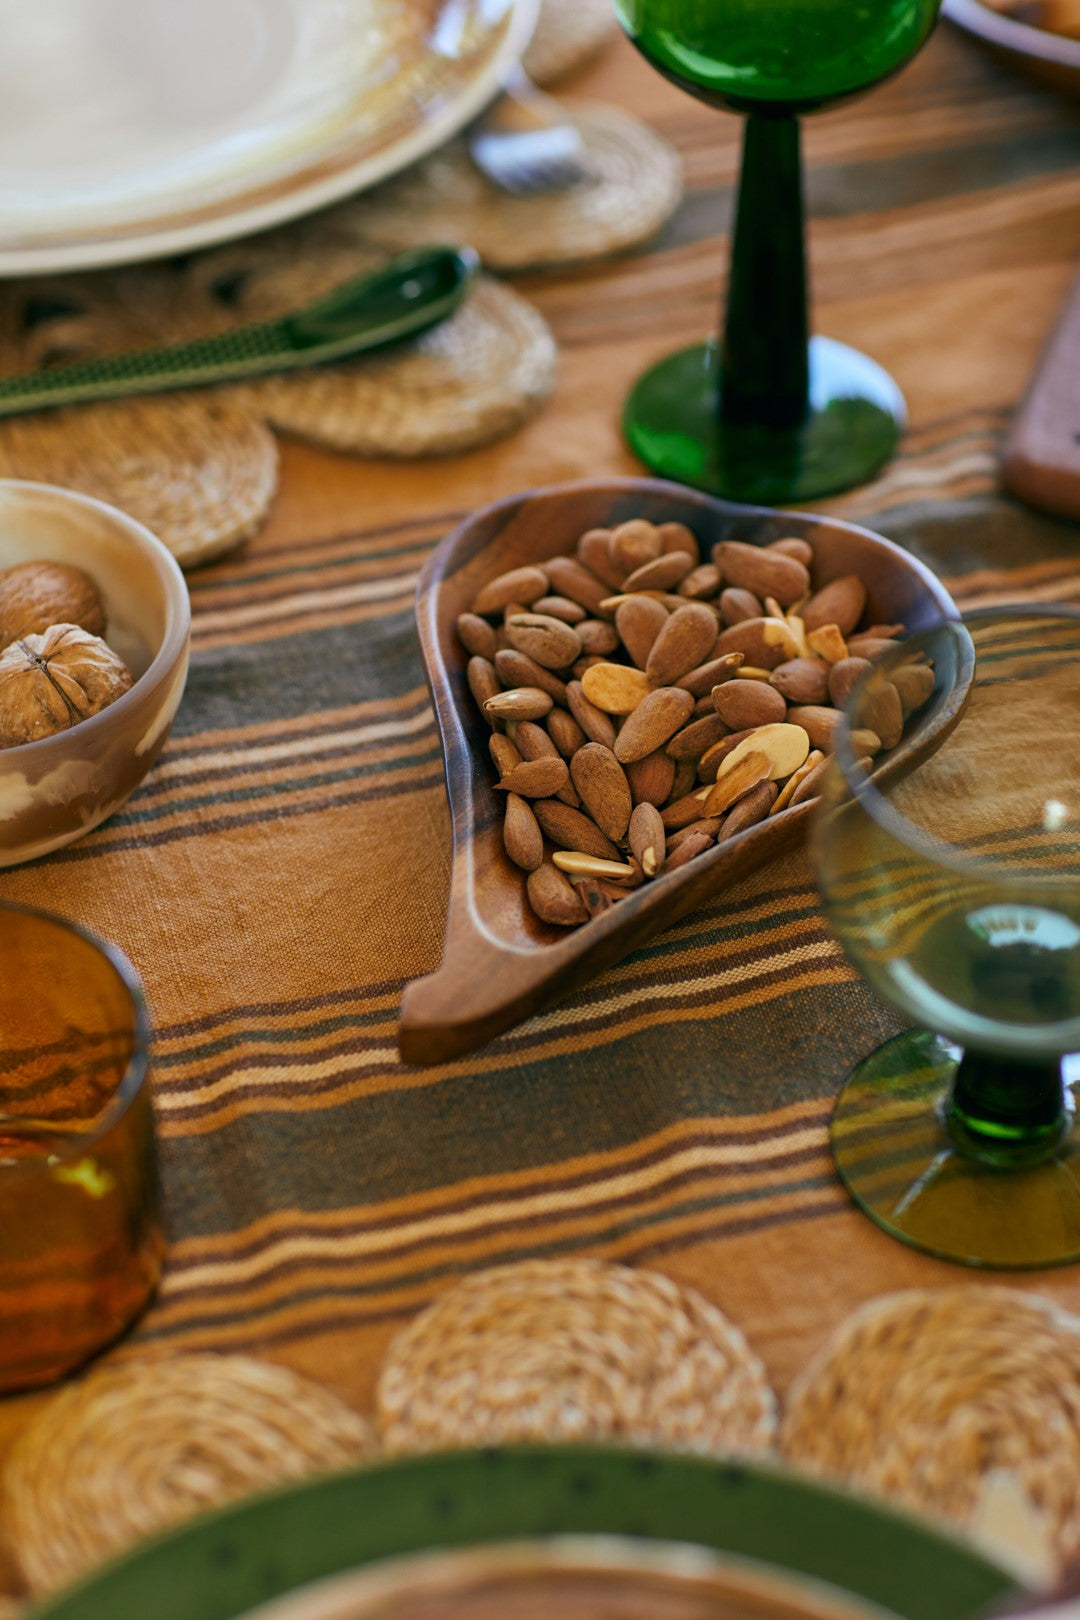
x=955, y=888
x=770, y=415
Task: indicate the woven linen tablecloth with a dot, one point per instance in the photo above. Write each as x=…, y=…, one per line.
x=283, y=872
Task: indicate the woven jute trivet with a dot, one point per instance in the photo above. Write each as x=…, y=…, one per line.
x=132, y=1449
x=565, y=1350
x=568, y=34
x=632, y=186
x=935, y=1398
x=201, y=474
x=477, y=376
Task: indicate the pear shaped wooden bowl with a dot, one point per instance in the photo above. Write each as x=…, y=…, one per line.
x=500, y=963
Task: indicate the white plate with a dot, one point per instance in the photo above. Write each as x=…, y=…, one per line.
x=135, y=128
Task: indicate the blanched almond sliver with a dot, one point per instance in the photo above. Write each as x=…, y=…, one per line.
x=579, y=865
x=785, y=745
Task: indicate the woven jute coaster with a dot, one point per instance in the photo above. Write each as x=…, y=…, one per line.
x=477, y=376
x=133, y=1449
x=935, y=1399
x=565, y=1350
x=201, y=474
x=568, y=34
x=632, y=186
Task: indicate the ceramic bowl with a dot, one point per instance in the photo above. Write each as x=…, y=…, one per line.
x=55, y=790
x=1053, y=59
x=500, y=963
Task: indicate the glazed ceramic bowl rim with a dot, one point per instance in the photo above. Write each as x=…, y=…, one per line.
x=1011, y=34
x=177, y=614
x=135, y=1072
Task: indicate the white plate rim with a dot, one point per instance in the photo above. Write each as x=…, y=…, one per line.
x=135, y=244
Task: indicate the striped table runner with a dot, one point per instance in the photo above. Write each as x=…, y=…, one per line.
x=283, y=872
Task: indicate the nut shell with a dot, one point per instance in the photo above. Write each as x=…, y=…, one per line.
x=51, y=682
x=36, y=595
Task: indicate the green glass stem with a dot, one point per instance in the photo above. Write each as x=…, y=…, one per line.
x=764, y=365
x=1003, y=1111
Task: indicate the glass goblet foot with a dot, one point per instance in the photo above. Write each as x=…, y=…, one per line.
x=673, y=421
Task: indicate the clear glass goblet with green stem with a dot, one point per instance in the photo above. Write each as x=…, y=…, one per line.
x=955, y=888
x=769, y=414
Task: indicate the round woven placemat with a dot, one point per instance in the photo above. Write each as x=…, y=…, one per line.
x=567, y=34
x=132, y=1449
x=632, y=186
x=200, y=473
x=924, y=1396
x=564, y=1350
x=477, y=376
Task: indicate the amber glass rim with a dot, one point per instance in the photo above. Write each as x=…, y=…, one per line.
x=863, y=790
x=134, y=1077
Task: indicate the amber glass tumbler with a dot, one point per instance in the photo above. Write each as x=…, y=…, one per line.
x=80, y=1239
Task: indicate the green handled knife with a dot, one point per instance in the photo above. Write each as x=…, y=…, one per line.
x=404, y=297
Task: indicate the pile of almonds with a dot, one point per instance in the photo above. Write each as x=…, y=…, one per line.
x=646, y=705
x=55, y=668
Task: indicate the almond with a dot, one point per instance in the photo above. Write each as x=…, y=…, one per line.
x=553, y=898
x=864, y=741
x=633, y=544
x=656, y=718
x=696, y=843
x=662, y=574
x=549, y=641
x=683, y=780
x=820, y=724
x=605, y=792
x=522, y=838
x=685, y=641
x=785, y=746
x=536, y=778
x=841, y=602
x=596, y=895
x=766, y=573
x=569, y=578
x=791, y=786
x=560, y=607
x=693, y=740
x=872, y=647
x=518, y=669
x=476, y=636
x=845, y=676
x=522, y=703
x=573, y=862
x=615, y=688
x=570, y=829
x=915, y=683
x=827, y=642
x=639, y=620
x=484, y=684
x=701, y=582
x=751, y=808
x=710, y=761
x=677, y=537
x=740, y=704
x=710, y=825
x=597, y=637
x=745, y=771
x=577, y=670
x=533, y=742
x=811, y=784
x=651, y=778
x=682, y=812
x=801, y=680
x=879, y=709
x=593, y=721
x=565, y=732
x=594, y=554
x=737, y=605
x=763, y=642
x=793, y=546
x=504, y=753
x=522, y=585
x=700, y=681
x=647, y=838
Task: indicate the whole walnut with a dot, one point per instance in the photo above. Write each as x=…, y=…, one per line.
x=49, y=683
x=35, y=595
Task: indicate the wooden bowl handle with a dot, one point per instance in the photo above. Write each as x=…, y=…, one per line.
x=1042, y=455
x=481, y=989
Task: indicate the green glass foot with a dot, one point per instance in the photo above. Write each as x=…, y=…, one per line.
x=901, y=1166
x=856, y=416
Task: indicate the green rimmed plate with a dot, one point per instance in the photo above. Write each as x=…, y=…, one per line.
x=764, y=1542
